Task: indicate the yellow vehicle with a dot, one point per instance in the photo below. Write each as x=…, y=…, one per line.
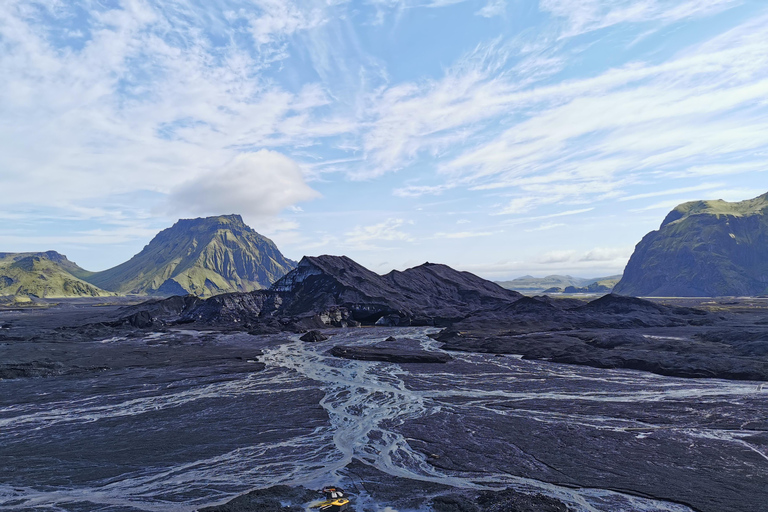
x=334, y=500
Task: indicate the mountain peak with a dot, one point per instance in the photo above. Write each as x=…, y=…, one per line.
x=232, y=218
x=211, y=223
x=202, y=256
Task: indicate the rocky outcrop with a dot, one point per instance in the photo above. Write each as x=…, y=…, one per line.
x=202, y=257
x=279, y=498
x=389, y=354
x=282, y=498
x=619, y=332
x=703, y=249
x=313, y=336
x=507, y=500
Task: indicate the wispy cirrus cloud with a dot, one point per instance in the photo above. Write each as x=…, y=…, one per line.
x=588, y=15
x=587, y=139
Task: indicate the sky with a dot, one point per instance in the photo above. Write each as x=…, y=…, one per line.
x=502, y=137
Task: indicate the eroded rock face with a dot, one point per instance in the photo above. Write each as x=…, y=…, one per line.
x=703, y=249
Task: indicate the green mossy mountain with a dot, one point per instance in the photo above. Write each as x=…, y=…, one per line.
x=703, y=249
x=43, y=274
x=202, y=257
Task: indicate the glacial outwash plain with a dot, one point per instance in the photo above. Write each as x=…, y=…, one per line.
x=211, y=373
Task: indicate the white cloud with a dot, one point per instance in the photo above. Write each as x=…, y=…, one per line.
x=97, y=237
x=493, y=8
x=558, y=257
x=144, y=103
x=671, y=192
x=257, y=185
x=421, y=190
x=462, y=234
x=361, y=237
x=605, y=257
x=280, y=18
x=607, y=254
x=697, y=171
x=545, y=227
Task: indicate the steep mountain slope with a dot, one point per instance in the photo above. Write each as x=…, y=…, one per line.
x=703, y=248
x=43, y=274
x=202, y=257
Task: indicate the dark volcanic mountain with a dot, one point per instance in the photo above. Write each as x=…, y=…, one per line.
x=420, y=294
x=703, y=249
x=202, y=257
x=334, y=290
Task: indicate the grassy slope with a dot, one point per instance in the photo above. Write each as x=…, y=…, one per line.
x=43, y=275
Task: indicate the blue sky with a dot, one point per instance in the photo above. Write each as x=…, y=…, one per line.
x=503, y=137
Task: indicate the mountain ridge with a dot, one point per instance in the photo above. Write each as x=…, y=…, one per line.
x=336, y=291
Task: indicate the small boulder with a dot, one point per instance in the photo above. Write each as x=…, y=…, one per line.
x=314, y=336
x=391, y=338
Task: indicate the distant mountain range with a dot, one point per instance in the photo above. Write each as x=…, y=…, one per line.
x=530, y=285
x=703, y=248
x=201, y=257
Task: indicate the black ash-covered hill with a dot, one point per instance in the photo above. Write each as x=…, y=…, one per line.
x=334, y=290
